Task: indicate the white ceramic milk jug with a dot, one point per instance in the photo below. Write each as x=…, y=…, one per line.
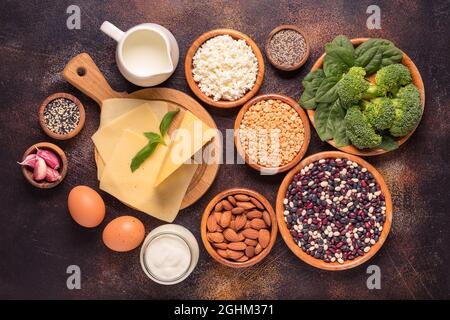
x=146, y=55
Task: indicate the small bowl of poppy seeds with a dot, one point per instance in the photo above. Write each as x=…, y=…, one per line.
x=61, y=116
x=334, y=210
x=287, y=48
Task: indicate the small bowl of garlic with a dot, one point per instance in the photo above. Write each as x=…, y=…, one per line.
x=44, y=165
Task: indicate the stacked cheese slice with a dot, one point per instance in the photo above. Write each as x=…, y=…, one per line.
x=159, y=185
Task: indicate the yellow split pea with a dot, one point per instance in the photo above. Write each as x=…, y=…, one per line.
x=271, y=133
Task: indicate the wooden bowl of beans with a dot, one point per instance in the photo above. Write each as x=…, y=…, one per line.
x=272, y=133
x=334, y=210
x=196, y=87
x=239, y=227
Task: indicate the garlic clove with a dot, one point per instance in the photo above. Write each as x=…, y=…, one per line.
x=40, y=169
x=52, y=175
x=50, y=158
x=30, y=160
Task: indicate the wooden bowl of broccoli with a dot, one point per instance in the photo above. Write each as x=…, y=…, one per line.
x=364, y=96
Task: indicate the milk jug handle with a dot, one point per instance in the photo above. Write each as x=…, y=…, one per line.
x=111, y=30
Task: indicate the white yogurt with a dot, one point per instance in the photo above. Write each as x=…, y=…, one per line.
x=167, y=257
x=169, y=254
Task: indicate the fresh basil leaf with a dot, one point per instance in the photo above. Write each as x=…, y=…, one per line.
x=389, y=143
x=152, y=136
x=142, y=155
x=166, y=121
x=322, y=122
x=344, y=42
x=337, y=117
x=327, y=90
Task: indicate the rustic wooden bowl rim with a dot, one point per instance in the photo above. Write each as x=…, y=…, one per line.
x=74, y=132
x=284, y=231
x=193, y=85
x=417, y=81
x=269, y=55
x=296, y=107
x=273, y=232
x=28, y=173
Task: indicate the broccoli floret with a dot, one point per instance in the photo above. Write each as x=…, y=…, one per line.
x=408, y=111
x=380, y=113
x=353, y=87
x=359, y=130
x=392, y=77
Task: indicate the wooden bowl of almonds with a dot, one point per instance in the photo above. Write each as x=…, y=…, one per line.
x=239, y=227
x=272, y=133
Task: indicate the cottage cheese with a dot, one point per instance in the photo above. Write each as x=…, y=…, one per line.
x=224, y=68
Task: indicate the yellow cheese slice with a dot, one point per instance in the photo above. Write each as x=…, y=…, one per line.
x=136, y=189
x=191, y=136
x=114, y=108
x=140, y=120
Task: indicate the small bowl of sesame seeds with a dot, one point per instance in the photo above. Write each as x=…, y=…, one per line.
x=61, y=116
x=287, y=48
x=334, y=210
x=272, y=133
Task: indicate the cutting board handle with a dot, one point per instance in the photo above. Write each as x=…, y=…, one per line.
x=82, y=72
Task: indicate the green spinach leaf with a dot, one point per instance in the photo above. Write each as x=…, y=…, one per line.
x=344, y=42
x=327, y=90
x=389, y=143
x=337, y=116
x=322, y=122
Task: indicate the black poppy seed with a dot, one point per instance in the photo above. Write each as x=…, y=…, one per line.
x=61, y=116
x=335, y=225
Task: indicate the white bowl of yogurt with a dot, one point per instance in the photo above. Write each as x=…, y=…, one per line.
x=169, y=254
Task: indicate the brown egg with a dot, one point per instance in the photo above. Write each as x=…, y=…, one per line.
x=123, y=234
x=86, y=206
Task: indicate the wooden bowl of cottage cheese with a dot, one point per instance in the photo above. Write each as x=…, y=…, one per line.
x=224, y=68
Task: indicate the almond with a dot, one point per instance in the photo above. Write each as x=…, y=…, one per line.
x=225, y=219
x=258, y=249
x=211, y=223
x=234, y=254
x=222, y=245
x=251, y=242
x=250, y=251
x=218, y=207
x=217, y=215
x=257, y=203
x=227, y=205
x=250, y=233
x=242, y=259
x=222, y=253
x=266, y=218
x=237, y=210
x=242, y=197
x=241, y=221
x=254, y=214
x=258, y=224
x=232, y=200
x=233, y=225
x=264, y=238
x=247, y=224
x=241, y=236
x=238, y=246
x=231, y=235
x=245, y=205
x=215, y=237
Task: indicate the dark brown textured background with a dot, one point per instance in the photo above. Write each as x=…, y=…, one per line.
x=38, y=239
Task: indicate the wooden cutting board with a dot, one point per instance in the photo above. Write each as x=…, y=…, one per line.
x=82, y=72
